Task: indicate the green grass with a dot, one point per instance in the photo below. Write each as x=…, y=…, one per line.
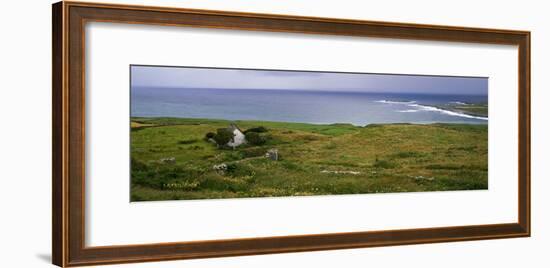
x=314, y=159
x=477, y=109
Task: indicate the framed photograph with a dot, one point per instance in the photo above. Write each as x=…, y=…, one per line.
x=181, y=133
x=210, y=133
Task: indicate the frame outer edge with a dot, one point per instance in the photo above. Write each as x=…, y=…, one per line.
x=57, y=237
x=524, y=138
x=527, y=212
x=288, y=17
x=59, y=127
x=61, y=116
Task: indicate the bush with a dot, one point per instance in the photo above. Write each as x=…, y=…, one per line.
x=231, y=167
x=209, y=135
x=259, y=129
x=255, y=138
x=223, y=136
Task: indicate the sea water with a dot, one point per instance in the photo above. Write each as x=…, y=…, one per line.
x=304, y=106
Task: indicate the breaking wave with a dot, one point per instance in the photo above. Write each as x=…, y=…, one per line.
x=447, y=112
x=427, y=108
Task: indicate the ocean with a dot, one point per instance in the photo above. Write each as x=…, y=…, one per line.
x=317, y=107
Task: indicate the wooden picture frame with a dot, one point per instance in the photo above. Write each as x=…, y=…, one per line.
x=69, y=129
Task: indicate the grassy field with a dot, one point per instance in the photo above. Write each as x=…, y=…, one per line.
x=171, y=160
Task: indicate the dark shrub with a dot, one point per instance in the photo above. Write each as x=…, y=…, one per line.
x=259, y=129
x=255, y=138
x=231, y=167
x=209, y=135
x=223, y=136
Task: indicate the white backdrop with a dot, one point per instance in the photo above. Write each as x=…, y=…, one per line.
x=25, y=139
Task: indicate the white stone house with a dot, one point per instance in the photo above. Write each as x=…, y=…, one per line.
x=238, y=136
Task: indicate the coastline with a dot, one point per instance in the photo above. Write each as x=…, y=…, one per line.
x=171, y=120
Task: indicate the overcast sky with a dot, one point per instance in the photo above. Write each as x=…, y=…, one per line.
x=176, y=77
